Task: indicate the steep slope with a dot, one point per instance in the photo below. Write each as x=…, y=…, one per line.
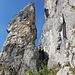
x=58, y=35
x=19, y=52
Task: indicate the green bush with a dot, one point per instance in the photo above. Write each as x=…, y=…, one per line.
x=73, y=7
x=73, y=70
x=29, y=72
x=43, y=70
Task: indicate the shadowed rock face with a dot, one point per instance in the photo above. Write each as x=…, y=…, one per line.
x=58, y=36
x=19, y=51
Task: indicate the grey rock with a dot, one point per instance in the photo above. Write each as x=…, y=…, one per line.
x=58, y=33
x=19, y=50
x=72, y=2
x=64, y=71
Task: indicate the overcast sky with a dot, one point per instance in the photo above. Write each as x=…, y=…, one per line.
x=8, y=8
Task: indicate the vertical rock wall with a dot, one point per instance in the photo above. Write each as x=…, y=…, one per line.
x=58, y=33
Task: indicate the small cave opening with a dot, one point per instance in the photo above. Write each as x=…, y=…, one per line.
x=43, y=57
x=46, y=12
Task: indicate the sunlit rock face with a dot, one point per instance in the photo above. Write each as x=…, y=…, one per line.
x=58, y=33
x=19, y=51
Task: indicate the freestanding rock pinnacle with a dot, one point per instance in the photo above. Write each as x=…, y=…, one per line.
x=19, y=51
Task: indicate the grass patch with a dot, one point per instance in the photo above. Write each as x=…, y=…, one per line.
x=73, y=70
x=73, y=7
x=68, y=64
x=29, y=72
x=43, y=70
x=54, y=70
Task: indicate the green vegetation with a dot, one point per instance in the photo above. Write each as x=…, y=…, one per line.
x=43, y=70
x=68, y=64
x=53, y=70
x=29, y=72
x=73, y=7
x=73, y=70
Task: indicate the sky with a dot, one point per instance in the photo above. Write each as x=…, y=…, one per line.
x=8, y=8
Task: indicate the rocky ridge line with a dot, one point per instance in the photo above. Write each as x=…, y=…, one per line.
x=19, y=52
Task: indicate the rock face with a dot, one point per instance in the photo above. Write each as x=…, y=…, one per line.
x=19, y=51
x=58, y=34
x=56, y=45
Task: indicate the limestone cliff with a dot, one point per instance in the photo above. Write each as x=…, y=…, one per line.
x=19, y=52
x=56, y=45
x=58, y=35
